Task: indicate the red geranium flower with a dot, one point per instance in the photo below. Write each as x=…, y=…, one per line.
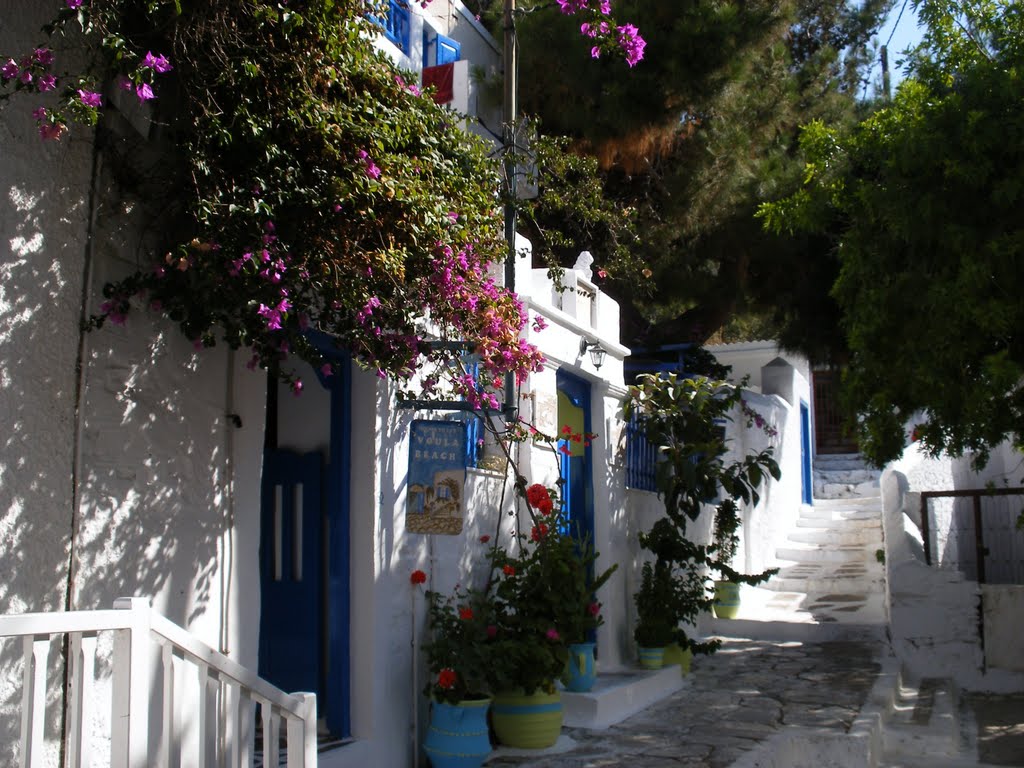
x=546, y=507
x=418, y=577
x=594, y=608
x=540, y=530
x=563, y=448
x=446, y=678
x=484, y=539
x=509, y=570
x=536, y=494
x=566, y=430
x=465, y=613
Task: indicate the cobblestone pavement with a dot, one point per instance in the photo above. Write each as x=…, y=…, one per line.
x=733, y=700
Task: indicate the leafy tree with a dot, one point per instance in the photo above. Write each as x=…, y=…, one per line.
x=924, y=200
x=688, y=144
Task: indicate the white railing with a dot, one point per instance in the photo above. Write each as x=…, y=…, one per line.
x=220, y=731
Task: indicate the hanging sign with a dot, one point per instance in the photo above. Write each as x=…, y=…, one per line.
x=435, y=497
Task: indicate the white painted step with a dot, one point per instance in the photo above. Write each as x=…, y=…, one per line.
x=838, y=536
x=922, y=723
x=825, y=553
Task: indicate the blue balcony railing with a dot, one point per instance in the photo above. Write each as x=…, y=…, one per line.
x=641, y=458
x=396, y=25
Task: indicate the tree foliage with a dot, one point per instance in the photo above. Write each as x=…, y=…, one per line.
x=925, y=202
x=691, y=141
x=304, y=184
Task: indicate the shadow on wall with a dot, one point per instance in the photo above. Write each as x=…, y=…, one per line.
x=152, y=480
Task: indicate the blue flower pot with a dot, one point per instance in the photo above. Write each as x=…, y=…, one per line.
x=581, y=674
x=457, y=737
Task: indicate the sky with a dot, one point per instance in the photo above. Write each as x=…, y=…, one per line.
x=906, y=34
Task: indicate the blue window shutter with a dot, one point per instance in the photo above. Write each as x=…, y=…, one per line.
x=448, y=50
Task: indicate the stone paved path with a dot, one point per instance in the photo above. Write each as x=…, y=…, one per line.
x=734, y=700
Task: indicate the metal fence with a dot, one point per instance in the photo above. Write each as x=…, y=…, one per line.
x=975, y=532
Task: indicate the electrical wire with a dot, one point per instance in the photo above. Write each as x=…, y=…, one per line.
x=893, y=31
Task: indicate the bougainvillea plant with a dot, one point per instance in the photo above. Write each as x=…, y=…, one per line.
x=315, y=187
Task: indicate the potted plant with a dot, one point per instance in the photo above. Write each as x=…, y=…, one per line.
x=459, y=657
x=683, y=416
x=656, y=613
x=544, y=599
x=726, y=539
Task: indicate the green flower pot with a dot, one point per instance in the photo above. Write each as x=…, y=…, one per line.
x=727, y=599
x=527, y=722
x=676, y=655
x=652, y=658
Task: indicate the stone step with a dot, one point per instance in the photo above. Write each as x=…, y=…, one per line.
x=825, y=553
x=840, y=461
x=853, y=476
x=812, y=578
x=846, y=490
x=868, y=536
x=834, y=513
x=858, y=502
x=922, y=722
x=843, y=524
x=619, y=695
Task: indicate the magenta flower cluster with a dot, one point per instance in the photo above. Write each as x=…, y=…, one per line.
x=607, y=34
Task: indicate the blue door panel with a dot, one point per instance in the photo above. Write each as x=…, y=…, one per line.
x=291, y=625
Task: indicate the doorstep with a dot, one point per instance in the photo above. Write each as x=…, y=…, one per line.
x=619, y=695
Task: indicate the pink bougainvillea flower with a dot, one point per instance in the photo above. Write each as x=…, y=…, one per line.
x=602, y=274
x=73, y=3
x=327, y=369
x=39, y=113
x=418, y=577
x=9, y=70
x=144, y=92
x=606, y=7
x=46, y=83
x=90, y=98
x=42, y=56
x=297, y=387
x=595, y=52
x=157, y=63
x=551, y=634
x=594, y=609
x=631, y=43
x=25, y=76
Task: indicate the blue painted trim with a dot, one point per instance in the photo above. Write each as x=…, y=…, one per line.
x=339, y=673
x=807, y=484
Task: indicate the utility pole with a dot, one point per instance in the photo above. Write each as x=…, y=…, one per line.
x=510, y=113
x=885, y=73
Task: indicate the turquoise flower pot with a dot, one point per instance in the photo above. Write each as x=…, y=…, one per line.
x=457, y=737
x=581, y=674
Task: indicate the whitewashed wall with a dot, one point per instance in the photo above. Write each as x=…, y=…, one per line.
x=933, y=611
x=147, y=489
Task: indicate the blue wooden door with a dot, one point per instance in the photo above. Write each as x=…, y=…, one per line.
x=291, y=576
x=806, y=486
x=576, y=471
